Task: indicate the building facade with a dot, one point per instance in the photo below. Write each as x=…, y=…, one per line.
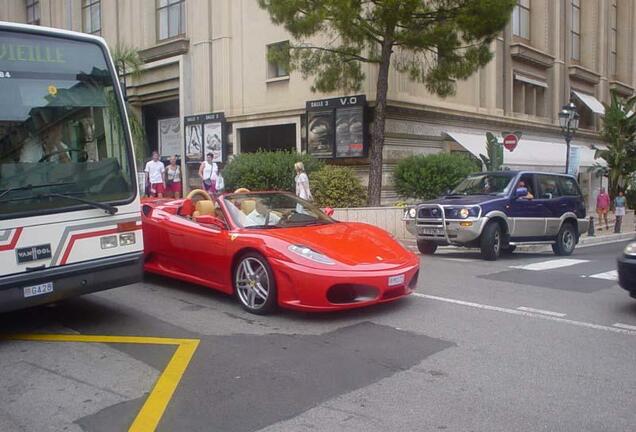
x=207, y=84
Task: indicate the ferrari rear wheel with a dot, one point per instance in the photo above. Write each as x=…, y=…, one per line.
x=254, y=284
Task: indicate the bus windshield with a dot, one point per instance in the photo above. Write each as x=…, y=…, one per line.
x=63, y=139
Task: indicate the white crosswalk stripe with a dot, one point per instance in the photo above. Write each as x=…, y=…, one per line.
x=550, y=264
x=611, y=275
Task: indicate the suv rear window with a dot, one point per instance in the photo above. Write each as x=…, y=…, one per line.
x=568, y=186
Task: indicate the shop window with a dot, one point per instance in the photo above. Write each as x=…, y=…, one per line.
x=575, y=32
x=171, y=18
x=613, y=38
x=91, y=16
x=276, y=67
x=33, y=12
x=521, y=19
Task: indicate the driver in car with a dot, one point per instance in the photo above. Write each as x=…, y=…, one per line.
x=49, y=148
x=259, y=216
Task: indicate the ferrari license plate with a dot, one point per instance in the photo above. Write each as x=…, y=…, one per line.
x=396, y=280
x=430, y=231
x=37, y=290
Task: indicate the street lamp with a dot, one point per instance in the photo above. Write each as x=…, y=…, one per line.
x=569, y=122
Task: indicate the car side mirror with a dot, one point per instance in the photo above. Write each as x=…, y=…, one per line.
x=211, y=220
x=521, y=192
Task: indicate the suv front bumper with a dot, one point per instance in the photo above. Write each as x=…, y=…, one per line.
x=452, y=231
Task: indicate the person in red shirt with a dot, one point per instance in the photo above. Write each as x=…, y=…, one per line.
x=602, y=207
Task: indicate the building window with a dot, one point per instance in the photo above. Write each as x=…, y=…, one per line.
x=91, y=16
x=171, y=18
x=529, y=96
x=33, y=12
x=276, y=67
x=576, y=30
x=613, y=38
x=521, y=19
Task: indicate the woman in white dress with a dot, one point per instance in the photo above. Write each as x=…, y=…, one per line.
x=302, y=185
x=208, y=171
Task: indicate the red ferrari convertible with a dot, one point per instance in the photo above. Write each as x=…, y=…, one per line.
x=273, y=249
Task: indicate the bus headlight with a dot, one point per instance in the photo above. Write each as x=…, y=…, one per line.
x=126, y=239
x=108, y=242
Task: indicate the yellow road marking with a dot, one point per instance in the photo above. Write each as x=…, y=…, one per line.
x=151, y=412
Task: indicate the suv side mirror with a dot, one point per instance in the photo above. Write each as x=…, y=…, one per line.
x=521, y=192
x=211, y=220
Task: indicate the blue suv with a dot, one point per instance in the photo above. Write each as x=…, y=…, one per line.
x=495, y=211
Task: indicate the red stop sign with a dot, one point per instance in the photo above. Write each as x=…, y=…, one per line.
x=510, y=142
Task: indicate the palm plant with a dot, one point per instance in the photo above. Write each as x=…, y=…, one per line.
x=619, y=133
x=128, y=61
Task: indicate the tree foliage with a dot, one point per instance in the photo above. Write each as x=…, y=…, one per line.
x=494, y=160
x=619, y=133
x=266, y=170
x=428, y=176
x=334, y=186
x=434, y=42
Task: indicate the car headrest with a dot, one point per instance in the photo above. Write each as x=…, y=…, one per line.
x=247, y=206
x=204, y=207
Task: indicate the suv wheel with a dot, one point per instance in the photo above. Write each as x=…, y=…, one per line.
x=426, y=247
x=566, y=240
x=490, y=242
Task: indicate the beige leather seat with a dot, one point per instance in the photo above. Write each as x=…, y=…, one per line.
x=203, y=208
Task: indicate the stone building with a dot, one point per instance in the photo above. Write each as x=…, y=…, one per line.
x=210, y=56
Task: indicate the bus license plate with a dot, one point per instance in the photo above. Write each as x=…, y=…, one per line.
x=396, y=280
x=37, y=290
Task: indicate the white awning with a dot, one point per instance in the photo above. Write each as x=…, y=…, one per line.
x=591, y=102
x=528, y=152
x=529, y=80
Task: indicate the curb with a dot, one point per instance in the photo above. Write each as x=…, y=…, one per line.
x=583, y=241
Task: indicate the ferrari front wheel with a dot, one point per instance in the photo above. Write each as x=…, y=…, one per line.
x=254, y=284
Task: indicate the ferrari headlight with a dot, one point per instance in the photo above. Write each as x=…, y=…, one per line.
x=464, y=213
x=310, y=254
x=630, y=249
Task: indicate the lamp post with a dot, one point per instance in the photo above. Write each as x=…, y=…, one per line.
x=569, y=122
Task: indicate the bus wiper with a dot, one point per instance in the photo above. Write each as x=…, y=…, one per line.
x=110, y=209
x=30, y=186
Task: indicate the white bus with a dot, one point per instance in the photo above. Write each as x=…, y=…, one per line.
x=69, y=203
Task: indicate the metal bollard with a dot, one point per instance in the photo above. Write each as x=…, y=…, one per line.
x=590, y=229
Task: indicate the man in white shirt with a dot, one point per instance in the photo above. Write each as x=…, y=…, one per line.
x=155, y=173
x=258, y=216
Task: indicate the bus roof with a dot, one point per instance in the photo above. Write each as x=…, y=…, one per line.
x=49, y=31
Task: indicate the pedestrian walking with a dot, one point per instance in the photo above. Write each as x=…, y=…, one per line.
x=220, y=181
x=155, y=175
x=173, y=178
x=619, y=211
x=302, y=182
x=208, y=171
x=602, y=207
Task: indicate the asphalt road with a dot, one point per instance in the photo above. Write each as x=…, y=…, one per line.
x=531, y=342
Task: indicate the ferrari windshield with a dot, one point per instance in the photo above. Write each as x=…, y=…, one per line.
x=484, y=184
x=273, y=210
x=63, y=135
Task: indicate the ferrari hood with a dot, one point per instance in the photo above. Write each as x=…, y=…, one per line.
x=348, y=243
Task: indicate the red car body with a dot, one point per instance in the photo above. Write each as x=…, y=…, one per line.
x=369, y=266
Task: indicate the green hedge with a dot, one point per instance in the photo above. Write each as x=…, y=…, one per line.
x=334, y=186
x=266, y=170
x=426, y=177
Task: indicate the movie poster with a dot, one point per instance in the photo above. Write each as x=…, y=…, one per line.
x=194, y=143
x=169, y=136
x=349, y=132
x=320, y=133
x=213, y=133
